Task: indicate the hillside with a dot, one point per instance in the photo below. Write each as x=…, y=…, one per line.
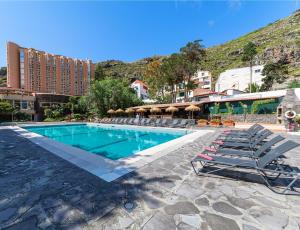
x=277, y=40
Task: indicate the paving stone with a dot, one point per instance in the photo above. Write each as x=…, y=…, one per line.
x=160, y=221
x=182, y=207
x=152, y=202
x=249, y=227
x=191, y=220
x=187, y=190
x=217, y=222
x=272, y=218
x=77, y=199
x=202, y=201
x=225, y=208
x=184, y=226
x=7, y=213
x=210, y=185
x=241, y=203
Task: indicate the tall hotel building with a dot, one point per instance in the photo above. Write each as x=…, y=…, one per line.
x=41, y=72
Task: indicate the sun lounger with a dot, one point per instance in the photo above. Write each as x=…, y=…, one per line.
x=248, y=134
x=148, y=122
x=256, y=153
x=164, y=122
x=136, y=121
x=174, y=123
x=267, y=166
x=183, y=123
x=246, y=145
x=158, y=122
x=142, y=121
x=245, y=139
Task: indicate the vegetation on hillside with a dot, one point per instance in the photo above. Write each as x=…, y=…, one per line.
x=277, y=41
x=179, y=68
x=3, y=73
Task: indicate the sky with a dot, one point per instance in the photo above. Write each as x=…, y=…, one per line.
x=131, y=30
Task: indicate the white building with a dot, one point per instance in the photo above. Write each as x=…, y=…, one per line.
x=239, y=78
x=203, y=81
x=141, y=89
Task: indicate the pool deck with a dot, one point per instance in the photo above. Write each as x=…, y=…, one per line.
x=39, y=190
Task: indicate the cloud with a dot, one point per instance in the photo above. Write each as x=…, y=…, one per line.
x=234, y=4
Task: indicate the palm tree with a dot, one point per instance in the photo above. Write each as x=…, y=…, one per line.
x=249, y=53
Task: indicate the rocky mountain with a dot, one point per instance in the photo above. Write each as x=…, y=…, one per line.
x=278, y=40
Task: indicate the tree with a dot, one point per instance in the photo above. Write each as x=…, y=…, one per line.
x=249, y=53
x=99, y=72
x=154, y=79
x=254, y=88
x=274, y=72
x=111, y=94
x=172, y=72
x=192, y=54
x=294, y=84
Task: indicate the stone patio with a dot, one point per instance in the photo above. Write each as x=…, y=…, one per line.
x=39, y=190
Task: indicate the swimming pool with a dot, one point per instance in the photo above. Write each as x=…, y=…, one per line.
x=112, y=142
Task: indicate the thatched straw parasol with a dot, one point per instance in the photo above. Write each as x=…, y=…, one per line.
x=192, y=109
x=129, y=110
x=172, y=110
x=111, y=111
x=119, y=111
x=155, y=110
x=141, y=110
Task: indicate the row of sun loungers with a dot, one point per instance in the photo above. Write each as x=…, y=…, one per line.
x=171, y=123
x=252, y=150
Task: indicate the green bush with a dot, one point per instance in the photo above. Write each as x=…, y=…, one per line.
x=77, y=116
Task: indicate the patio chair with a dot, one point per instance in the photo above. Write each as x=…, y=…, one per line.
x=267, y=167
x=245, y=145
x=256, y=153
x=174, y=123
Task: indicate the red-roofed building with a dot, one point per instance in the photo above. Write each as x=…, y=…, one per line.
x=141, y=89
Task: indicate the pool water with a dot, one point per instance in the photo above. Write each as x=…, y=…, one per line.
x=113, y=142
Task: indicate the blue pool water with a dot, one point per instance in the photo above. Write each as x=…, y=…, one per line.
x=108, y=141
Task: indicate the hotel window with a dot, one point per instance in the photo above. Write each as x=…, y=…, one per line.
x=22, y=81
x=24, y=104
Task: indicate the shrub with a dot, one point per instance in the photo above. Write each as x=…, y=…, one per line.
x=215, y=121
x=298, y=118
x=49, y=119
x=77, y=116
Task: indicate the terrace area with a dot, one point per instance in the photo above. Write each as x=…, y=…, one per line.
x=42, y=191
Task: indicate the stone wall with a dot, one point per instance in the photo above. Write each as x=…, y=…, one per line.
x=252, y=118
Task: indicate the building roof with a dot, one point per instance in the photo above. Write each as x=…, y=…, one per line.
x=164, y=106
x=139, y=82
x=204, y=92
